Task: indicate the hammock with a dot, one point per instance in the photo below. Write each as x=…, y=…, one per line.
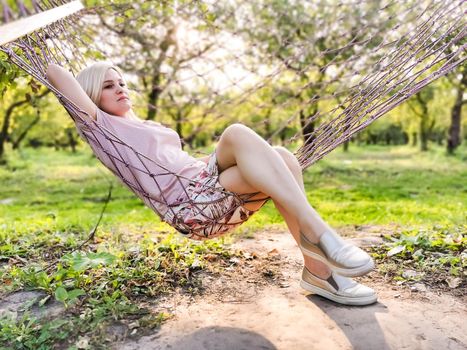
x=391, y=55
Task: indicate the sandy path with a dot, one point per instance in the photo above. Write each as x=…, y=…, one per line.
x=272, y=317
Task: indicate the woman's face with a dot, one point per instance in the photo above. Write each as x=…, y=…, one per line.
x=114, y=98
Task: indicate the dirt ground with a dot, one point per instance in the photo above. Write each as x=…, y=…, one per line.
x=239, y=312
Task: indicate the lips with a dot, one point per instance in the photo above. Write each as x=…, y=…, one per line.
x=123, y=98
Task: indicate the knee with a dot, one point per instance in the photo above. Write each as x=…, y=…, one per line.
x=289, y=158
x=236, y=132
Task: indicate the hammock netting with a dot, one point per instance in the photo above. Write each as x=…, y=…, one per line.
x=311, y=73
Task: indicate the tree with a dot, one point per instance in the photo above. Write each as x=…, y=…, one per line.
x=148, y=46
x=32, y=95
x=315, y=45
x=454, y=134
x=419, y=106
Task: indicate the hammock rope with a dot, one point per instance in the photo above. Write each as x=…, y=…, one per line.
x=391, y=54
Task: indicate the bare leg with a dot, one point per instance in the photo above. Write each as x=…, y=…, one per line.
x=234, y=179
x=314, y=266
x=263, y=169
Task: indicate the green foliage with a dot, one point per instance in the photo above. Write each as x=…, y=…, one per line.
x=67, y=297
x=80, y=261
x=303, y=38
x=413, y=244
x=435, y=255
x=29, y=333
x=8, y=74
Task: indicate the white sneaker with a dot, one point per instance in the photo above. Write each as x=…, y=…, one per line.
x=337, y=288
x=339, y=255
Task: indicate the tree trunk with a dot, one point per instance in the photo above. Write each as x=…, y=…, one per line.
x=307, y=127
x=424, y=128
x=178, y=124
x=6, y=124
x=156, y=88
x=154, y=97
x=267, y=124
x=6, y=121
x=20, y=138
x=439, y=139
x=71, y=139
x=454, y=136
x=346, y=146
x=423, y=136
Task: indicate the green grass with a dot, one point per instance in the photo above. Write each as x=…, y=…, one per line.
x=380, y=186
x=49, y=201
x=384, y=186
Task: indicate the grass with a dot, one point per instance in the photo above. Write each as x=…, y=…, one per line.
x=399, y=185
x=49, y=201
x=60, y=190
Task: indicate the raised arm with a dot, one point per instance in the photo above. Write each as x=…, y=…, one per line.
x=64, y=82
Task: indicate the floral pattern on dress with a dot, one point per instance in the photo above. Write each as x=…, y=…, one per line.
x=210, y=210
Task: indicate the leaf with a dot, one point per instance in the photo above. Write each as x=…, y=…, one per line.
x=61, y=294
x=44, y=300
x=81, y=262
x=157, y=264
x=410, y=274
x=453, y=282
x=101, y=258
x=419, y=287
x=73, y=294
x=28, y=304
x=210, y=257
x=273, y=252
x=196, y=263
x=82, y=343
x=418, y=254
x=396, y=250
x=56, y=324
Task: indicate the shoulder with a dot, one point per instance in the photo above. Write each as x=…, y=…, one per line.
x=151, y=122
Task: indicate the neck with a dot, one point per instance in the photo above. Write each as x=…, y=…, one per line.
x=130, y=114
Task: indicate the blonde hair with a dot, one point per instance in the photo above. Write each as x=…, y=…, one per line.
x=92, y=78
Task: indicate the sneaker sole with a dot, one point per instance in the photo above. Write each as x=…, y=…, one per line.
x=356, y=301
x=347, y=272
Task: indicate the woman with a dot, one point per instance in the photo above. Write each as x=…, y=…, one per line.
x=243, y=164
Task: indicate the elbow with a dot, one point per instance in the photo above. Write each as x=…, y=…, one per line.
x=53, y=66
x=50, y=72
x=53, y=71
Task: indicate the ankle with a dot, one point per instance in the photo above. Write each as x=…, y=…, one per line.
x=313, y=231
x=322, y=274
x=311, y=237
x=310, y=234
x=317, y=268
